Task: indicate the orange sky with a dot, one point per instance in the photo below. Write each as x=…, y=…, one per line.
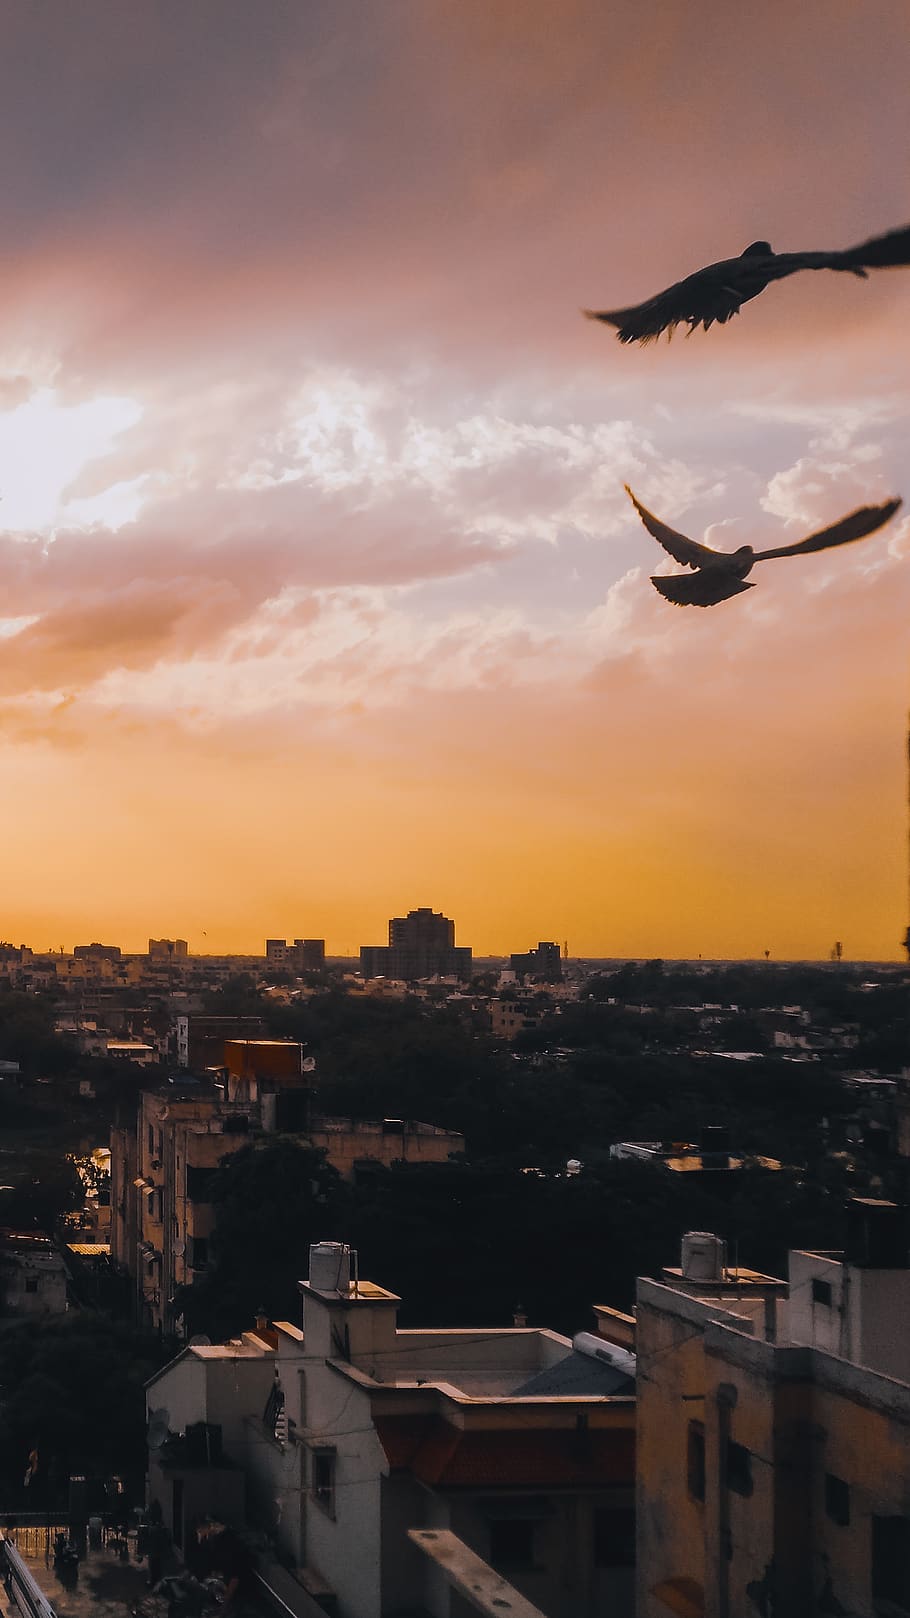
x=321, y=597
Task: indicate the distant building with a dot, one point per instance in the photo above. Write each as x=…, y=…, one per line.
x=304, y=955
x=544, y=963
x=99, y=952
x=709, y=1158
x=32, y=1275
x=421, y=945
x=351, y=1431
x=168, y=949
x=199, y=1037
x=84, y=968
x=511, y=1017
x=774, y=1430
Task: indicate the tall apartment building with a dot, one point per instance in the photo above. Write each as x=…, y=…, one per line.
x=350, y=1432
x=421, y=945
x=100, y=952
x=774, y=1431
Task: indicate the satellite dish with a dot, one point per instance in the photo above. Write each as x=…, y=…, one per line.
x=158, y=1427
x=179, y=1249
x=200, y=1341
x=162, y=1113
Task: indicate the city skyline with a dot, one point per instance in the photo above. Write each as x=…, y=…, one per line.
x=320, y=589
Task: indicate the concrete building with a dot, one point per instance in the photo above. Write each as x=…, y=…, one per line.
x=32, y=1275
x=350, y=1432
x=421, y=945
x=162, y=1163
x=162, y=1216
x=199, y=1037
x=101, y=952
x=168, y=949
x=709, y=1159
x=511, y=1017
x=304, y=955
x=543, y=963
x=357, y=1147
x=774, y=1431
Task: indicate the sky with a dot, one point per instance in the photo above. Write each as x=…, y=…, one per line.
x=320, y=596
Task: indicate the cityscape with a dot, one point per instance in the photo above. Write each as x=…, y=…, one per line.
x=736, y=1136
x=454, y=917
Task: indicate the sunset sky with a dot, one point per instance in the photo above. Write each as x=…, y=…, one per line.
x=321, y=598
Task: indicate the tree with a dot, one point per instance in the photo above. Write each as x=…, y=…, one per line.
x=272, y=1199
x=73, y=1390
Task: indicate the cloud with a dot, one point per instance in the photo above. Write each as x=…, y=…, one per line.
x=312, y=472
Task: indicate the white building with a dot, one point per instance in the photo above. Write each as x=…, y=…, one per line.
x=349, y=1432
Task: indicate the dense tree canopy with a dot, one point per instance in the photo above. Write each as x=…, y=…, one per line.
x=72, y=1390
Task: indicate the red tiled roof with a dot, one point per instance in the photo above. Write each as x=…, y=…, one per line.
x=438, y=1453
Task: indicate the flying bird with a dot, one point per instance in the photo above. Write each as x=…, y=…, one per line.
x=720, y=574
x=718, y=292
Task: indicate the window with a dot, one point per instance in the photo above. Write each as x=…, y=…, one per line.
x=821, y=1291
x=739, y=1468
x=198, y=1183
x=323, y=1479
x=199, y=1252
x=614, y=1537
x=151, y=1140
x=837, y=1500
x=31, y=1283
x=695, y=1460
x=512, y=1542
x=891, y=1564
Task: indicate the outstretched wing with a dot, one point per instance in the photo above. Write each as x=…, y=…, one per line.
x=880, y=252
x=700, y=590
x=701, y=299
x=681, y=548
x=859, y=523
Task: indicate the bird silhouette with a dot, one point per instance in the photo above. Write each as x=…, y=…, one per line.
x=718, y=292
x=721, y=574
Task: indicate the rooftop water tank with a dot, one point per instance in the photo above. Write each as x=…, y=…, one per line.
x=704, y=1256
x=330, y=1266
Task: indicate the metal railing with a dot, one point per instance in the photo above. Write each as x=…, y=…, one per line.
x=21, y=1585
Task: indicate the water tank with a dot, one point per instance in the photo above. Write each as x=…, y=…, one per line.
x=330, y=1266
x=704, y=1256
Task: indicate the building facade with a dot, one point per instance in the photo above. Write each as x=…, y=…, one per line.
x=543, y=963
x=421, y=945
x=773, y=1466
x=350, y=1431
x=163, y=1161
x=304, y=955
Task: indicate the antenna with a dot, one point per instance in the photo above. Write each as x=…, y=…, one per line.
x=565, y=949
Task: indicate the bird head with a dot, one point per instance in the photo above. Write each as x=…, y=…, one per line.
x=758, y=250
